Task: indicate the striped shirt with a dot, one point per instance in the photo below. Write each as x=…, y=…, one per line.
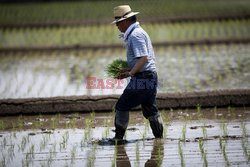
x=138, y=44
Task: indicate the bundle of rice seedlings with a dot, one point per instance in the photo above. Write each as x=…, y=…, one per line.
x=114, y=68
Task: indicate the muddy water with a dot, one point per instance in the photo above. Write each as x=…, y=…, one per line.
x=216, y=137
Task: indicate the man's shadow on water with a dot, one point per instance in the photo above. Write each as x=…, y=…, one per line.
x=155, y=160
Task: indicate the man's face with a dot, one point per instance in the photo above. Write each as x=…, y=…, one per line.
x=121, y=25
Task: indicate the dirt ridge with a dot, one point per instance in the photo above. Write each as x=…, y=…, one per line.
x=105, y=103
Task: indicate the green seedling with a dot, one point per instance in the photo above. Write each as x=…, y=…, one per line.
x=13, y=125
x=92, y=116
x=20, y=122
x=204, y=130
x=223, y=149
x=107, y=128
x=54, y=149
x=137, y=154
x=199, y=112
x=114, y=68
x=92, y=156
x=215, y=112
x=243, y=129
x=220, y=142
x=224, y=128
x=43, y=143
x=159, y=157
x=244, y=144
x=82, y=143
x=24, y=142
x=40, y=119
x=32, y=150
x=65, y=138
x=166, y=123
x=87, y=129
x=146, y=128
x=203, y=152
x=52, y=154
x=231, y=112
x=73, y=154
x=2, y=125
x=29, y=156
x=244, y=141
x=11, y=152
x=72, y=123
x=3, y=161
x=4, y=142
x=50, y=158
x=180, y=150
x=36, y=124
x=54, y=123
x=184, y=128
x=229, y=109
x=225, y=154
x=115, y=155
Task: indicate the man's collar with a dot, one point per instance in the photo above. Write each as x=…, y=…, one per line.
x=130, y=28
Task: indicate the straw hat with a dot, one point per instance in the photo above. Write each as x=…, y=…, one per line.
x=123, y=12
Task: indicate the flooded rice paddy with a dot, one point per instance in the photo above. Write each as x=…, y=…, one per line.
x=180, y=69
x=201, y=137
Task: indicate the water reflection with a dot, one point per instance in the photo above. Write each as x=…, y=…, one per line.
x=157, y=154
x=122, y=159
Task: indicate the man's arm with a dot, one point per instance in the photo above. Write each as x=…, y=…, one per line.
x=137, y=67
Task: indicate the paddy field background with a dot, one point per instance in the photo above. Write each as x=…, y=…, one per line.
x=49, y=49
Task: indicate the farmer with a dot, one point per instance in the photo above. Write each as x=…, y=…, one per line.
x=142, y=87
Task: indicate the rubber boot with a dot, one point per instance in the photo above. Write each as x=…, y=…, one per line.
x=121, y=123
x=156, y=125
x=119, y=132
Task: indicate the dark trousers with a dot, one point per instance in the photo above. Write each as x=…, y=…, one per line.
x=141, y=90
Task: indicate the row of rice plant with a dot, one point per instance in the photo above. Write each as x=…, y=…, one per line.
x=223, y=137
x=108, y=34
x=100, y=10
x=199, y=68
x=73, y=146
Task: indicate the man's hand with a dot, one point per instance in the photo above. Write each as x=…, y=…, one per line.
x=123, y=75
x=124, y=70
